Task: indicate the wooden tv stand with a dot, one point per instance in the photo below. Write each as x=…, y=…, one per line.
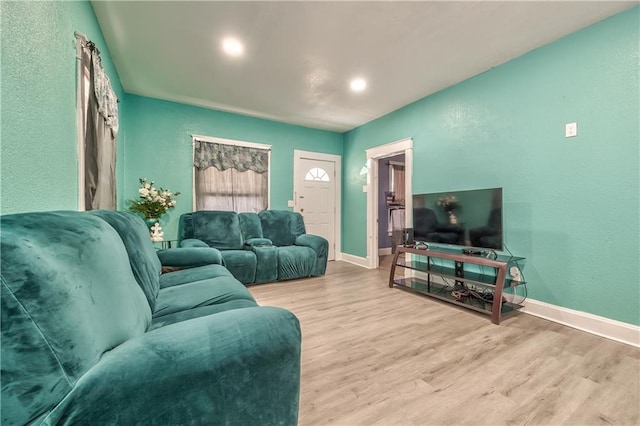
x=482, y=278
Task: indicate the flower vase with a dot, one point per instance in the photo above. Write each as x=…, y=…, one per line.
x=452, y=218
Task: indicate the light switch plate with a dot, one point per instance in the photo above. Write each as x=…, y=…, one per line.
x=570, y=130
x=290, y=203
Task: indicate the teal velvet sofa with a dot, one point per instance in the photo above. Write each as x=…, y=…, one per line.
x=93, y=333
x=257, y=247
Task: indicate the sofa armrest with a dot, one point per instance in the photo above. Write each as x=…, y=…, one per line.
x=321, y=246
x=235, y=367
x=258, y=242
x=190, y=257
x=193, y=242
x=317, y=243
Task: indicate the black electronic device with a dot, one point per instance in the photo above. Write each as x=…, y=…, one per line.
x=472, y=252
x=471, y=218
x=407, y=237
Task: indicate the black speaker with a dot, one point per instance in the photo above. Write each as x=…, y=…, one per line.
x=407, y=236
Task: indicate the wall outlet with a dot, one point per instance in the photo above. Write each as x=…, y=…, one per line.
x=290, y=203
x=570, y=130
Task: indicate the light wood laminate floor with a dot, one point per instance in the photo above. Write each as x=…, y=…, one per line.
x=372, y=355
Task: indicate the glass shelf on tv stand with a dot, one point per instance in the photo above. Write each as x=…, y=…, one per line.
x=486, y=279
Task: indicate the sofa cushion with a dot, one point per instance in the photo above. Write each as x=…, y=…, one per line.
x=250, y=225
x=295, y=262
x=28, y=363
x=68, y=273
x=143, y=259
x=185, y=226
x=238, y=367
x=200, y=293
x=200, y=311
x=266, y=263
x=282, y=227
x=190, y=275
x=218, y=229
x=241, y=263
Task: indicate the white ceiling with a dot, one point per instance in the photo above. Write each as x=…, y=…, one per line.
x=300, y=56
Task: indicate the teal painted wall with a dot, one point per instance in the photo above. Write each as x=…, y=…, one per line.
x=38, y=124
x=159, y=148
x=571, y=206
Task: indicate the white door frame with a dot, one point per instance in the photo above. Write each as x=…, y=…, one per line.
x=337, y=215
x=403, y=146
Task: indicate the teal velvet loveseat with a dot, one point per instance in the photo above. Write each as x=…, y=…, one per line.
x=93, y=333
x=257, y=247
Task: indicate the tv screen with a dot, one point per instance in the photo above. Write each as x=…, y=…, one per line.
x=466, y=218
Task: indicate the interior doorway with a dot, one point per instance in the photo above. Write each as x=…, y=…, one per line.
x=391, y=201
x=316, y=192
x=391, y=206
x=404, y=147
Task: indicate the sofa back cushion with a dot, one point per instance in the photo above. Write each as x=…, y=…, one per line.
x=143, y=259
x=250, y=226
x=282, y=227
x=219, y=229
x=185, y=226
x=68, y=296
x=27, y=363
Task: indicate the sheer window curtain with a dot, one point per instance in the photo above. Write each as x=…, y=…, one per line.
x=230, y=177
x=98, y=129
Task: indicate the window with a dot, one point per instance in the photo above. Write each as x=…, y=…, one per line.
x=317, y=174
x=230, y=175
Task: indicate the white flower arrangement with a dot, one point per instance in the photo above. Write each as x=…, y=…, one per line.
x=152, y=202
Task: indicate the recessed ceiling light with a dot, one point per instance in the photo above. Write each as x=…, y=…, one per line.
x=232, y=46
x=358, y=85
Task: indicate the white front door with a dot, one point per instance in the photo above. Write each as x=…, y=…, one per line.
x=315, y=198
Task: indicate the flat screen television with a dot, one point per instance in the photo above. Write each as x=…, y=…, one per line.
x=470, y=218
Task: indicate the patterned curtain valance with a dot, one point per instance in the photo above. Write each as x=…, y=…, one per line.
x=223, y=157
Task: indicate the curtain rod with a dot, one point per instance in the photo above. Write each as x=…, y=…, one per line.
x=92, y=47
x=210, y=139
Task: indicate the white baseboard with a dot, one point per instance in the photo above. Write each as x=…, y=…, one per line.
x=356, y=260
x=384, y=251
x=600, y=326
x=594, y=324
